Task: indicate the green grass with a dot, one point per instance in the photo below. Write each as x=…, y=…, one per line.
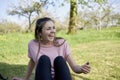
x=100, y=48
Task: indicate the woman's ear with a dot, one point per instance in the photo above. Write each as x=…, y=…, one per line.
x=40, y=34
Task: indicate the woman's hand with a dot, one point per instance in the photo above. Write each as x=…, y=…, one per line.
x=16, y=78
x=85, y=68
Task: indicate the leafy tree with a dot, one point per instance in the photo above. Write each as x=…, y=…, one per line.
x=36, y=7
x=26, y=8
x=115, y=19
x=73, y=12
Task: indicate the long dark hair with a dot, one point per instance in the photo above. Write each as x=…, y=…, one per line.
x=38, y=29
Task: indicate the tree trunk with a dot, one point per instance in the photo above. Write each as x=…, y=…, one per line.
x=73, y=14
x=30, y=24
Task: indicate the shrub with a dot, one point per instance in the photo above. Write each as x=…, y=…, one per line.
x=8, y=27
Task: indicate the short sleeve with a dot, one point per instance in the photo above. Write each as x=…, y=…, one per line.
x=32, y=49
x=67, y=50
x=29, y=51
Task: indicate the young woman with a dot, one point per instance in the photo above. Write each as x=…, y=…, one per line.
x=48, y=54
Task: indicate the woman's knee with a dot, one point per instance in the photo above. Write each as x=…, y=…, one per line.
x=43, y=69
x=44, y=60
x=59, y=61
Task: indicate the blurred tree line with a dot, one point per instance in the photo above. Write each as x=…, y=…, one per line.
x=8, y=27
x=84, y=14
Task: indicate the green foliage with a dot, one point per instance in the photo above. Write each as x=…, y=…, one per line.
x=100, y=48
x=27, y=9
x=100, y=1
x=83, y=2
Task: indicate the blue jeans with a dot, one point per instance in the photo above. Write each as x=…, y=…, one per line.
x=43, y=69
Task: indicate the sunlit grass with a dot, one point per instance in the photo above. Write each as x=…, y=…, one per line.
x=100, y=48
x=103, y=56
x=84, y=36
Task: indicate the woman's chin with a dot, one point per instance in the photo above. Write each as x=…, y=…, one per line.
x=51, y=39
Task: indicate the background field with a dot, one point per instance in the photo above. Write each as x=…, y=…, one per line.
x=100, y=48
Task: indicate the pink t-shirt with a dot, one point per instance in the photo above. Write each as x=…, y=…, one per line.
x=51, y=51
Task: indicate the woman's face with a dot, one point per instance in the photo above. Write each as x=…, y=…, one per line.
x=48, y=32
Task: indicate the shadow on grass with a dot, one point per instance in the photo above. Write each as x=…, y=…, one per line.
x=10, y=70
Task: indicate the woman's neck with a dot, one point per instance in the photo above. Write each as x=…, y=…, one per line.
x=46, y=42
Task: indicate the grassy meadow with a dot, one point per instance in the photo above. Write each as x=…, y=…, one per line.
x=100, y=48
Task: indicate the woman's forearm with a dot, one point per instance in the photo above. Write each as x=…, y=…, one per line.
x=76, y=68
x=30, y=67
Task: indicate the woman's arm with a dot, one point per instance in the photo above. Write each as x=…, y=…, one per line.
x=76, y=68
x=30, y=67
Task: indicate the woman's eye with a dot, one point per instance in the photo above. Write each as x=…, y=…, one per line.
x=48, y=28
x=53, y=27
